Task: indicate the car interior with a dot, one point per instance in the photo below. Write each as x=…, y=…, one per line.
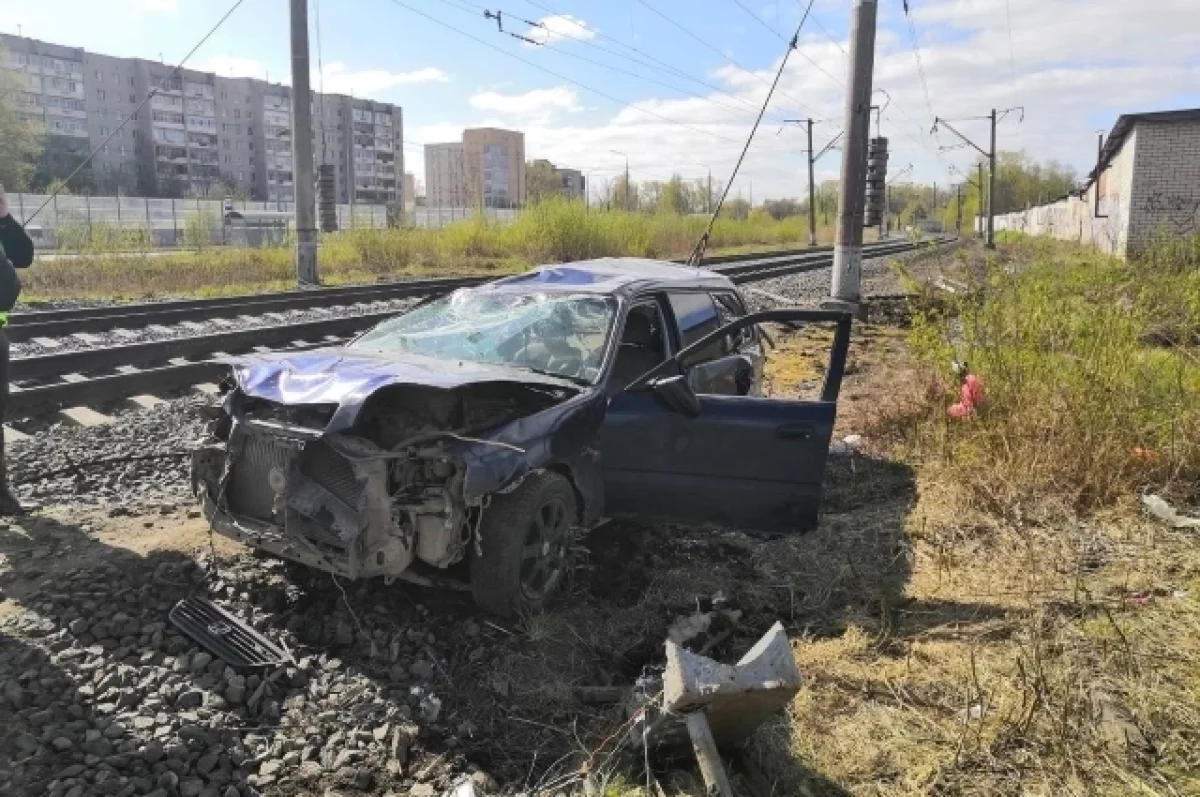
x=643, y=346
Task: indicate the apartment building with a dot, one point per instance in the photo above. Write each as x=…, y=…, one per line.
x=445, y=176
x=487, y=168
x=200, y=133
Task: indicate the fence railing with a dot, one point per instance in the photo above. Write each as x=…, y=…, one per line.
x=79, y=221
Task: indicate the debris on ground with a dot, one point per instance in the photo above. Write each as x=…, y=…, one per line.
x=1159, y=508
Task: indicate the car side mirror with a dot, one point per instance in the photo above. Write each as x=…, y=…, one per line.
x=677, y=395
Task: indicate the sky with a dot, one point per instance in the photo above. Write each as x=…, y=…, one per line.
x=674, y=86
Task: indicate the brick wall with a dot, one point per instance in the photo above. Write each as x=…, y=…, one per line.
x=1166, y=186
x=1151, y=187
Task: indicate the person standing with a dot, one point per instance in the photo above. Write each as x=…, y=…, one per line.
x=16, y=251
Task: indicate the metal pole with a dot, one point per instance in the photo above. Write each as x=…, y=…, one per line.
x=847, y=253
x=302, y=152
x=812, y=191
x=991, y=220
x=979, y=212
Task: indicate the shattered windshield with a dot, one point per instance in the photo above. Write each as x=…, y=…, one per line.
x=562, y=335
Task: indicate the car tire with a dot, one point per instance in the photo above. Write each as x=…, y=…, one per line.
x=525, y=536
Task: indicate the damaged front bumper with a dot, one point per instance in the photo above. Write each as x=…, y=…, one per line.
x=330, y=502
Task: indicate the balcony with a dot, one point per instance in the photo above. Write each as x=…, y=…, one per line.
x=171, y=154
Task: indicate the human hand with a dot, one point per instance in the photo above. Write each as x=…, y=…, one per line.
x=3, y=202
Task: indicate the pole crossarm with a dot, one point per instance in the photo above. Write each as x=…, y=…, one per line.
x=939, y=121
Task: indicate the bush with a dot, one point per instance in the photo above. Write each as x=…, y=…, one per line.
x=1092, y=373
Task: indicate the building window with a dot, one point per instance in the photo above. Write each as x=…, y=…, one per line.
x=225, y=143
x=131, y=97
x=121, y=150
x=104, y=132
x=228, y=159
x=99, y=76
x=100, y=95
x=249, y=130
x=237, y=113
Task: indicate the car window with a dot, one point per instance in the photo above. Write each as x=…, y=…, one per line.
x=558, y=334
x=695, y=314
x=729, y=309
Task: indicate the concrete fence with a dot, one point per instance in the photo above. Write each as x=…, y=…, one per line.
x=1075, y=219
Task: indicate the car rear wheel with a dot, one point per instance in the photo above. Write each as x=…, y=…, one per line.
x=525, y=540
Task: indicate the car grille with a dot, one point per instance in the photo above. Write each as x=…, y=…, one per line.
x=332, y=471
x=249, y=492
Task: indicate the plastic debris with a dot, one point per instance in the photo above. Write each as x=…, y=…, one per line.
x=971, y=397
x=1160, y=509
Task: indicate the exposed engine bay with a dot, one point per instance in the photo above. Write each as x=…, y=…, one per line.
x=399, y=484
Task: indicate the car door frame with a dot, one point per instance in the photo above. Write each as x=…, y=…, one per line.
x=666, y=470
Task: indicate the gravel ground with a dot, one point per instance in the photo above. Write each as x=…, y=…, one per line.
x=192, y=329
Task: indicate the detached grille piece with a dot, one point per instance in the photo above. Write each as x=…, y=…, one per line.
x=224, y=635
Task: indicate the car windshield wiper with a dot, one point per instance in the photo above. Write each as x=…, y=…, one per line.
x=579, y=380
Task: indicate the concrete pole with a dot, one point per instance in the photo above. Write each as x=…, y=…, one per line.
x=812, y=191
x=991, y=219
x=847, y=253
x=303, y=181
x=979, y=213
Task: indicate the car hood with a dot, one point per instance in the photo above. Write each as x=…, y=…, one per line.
x=345, y=377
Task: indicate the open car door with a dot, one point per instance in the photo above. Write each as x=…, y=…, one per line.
x=669, y=454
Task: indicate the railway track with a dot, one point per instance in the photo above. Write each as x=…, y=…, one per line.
x=100, y=376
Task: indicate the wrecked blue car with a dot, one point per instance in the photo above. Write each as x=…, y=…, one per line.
x=473, y=437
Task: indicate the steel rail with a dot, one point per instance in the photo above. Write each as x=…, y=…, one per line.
x=174, y=364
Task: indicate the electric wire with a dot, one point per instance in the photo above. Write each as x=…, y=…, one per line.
x=697, y=254
x=1012, y=61
x=149, y=95
x=561, y=76
x=776, y=34
x=619, y=70
x=642, y=54
x=801, y=106
x=912, y=31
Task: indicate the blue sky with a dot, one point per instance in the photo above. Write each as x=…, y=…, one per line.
x=675, y=85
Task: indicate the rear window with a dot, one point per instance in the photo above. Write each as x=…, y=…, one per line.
x=695, y=314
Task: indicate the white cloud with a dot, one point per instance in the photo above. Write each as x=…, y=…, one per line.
x=155, y=6
x=339, y=79
x=559, y=27
x=538, y=105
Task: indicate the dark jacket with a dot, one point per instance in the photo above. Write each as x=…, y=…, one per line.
x=16, y=251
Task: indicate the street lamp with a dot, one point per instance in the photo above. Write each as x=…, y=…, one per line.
x=626, y=157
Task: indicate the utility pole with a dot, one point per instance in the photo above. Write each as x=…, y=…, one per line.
x=990, y=154
x=979, y=215
x=812, y=192
x=991, y=228
x=302, y=151
x=847, y=253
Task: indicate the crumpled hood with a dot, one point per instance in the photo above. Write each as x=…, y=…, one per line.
x=347, y=378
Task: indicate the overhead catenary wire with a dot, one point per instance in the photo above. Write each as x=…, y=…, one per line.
x=777, y=35
x=800, y=105
x=150, y=94
x=912, y=32
x=618, y=69
x=698, y=251
x=561, y=76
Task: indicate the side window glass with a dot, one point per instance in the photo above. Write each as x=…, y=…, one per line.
x=696, y=316
x=729, y=309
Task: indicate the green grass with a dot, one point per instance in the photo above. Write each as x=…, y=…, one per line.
x=1092, y=372
x=119, y=264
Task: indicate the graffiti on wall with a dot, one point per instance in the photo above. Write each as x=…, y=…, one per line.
x=1180, y=214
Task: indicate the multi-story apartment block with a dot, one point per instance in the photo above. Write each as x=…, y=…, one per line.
x=200, y=133
x=445, y=175
x=487, y=168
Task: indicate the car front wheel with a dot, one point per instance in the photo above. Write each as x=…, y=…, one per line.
x=525, y=540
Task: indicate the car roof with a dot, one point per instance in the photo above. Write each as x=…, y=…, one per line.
x=610, y=276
